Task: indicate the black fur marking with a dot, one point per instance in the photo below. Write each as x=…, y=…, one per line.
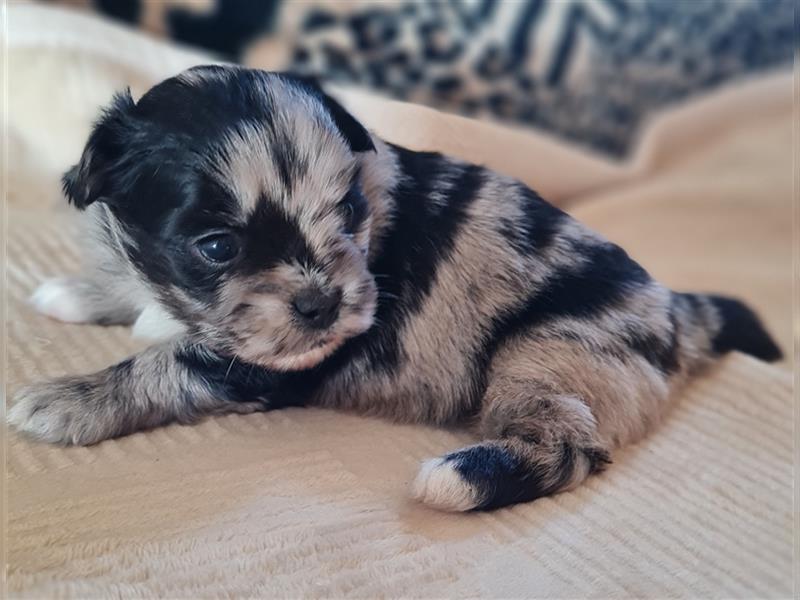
x=603, y=280
x=660, y=352
x=502, y=479
x=742, y=330
x=425, y=234
x=286, y=160
x=233, y=380
x=421, y=238
x=285, y=242
x=654, y=351
x=606, y=277
x=200, y=114
x=499, y=477
x=536, y=228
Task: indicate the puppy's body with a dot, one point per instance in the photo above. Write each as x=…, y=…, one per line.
x=448, y=292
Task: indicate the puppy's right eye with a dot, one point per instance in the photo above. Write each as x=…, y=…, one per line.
x=218, y=248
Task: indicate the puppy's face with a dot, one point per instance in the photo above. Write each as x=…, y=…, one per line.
x=239, y=196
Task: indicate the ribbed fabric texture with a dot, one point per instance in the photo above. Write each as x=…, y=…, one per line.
x=311, y=503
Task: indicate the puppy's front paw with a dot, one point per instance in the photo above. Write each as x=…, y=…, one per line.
x=61, y=299
x=63, y=411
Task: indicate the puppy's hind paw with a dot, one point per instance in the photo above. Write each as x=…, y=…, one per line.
x=61, y=299
x=440, y=485
x=498, y=473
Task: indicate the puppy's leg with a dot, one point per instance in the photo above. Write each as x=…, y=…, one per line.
x=173, y=381
x=539, y=442
x=83, y=300
x=155, y=324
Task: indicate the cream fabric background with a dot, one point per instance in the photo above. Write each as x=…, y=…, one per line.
x=309, y=503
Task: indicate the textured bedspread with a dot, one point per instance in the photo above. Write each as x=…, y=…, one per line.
x=311, y=503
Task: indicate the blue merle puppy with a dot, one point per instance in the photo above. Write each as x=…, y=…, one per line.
x=286, y=256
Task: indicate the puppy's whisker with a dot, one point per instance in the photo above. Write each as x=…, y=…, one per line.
x=230, y=366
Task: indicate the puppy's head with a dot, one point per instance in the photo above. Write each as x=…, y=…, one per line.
x=238, y=195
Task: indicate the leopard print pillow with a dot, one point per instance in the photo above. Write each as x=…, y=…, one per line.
x=586, y=70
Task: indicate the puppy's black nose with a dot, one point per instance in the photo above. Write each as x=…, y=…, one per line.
x=316, y=308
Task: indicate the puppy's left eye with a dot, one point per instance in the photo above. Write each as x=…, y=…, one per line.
x=353, y=208
x=218, y=248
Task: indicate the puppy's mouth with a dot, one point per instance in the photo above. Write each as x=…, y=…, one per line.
x=320, y=350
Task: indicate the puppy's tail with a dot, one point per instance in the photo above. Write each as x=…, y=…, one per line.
x=727, y=324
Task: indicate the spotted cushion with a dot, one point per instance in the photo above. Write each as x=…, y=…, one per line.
x=587, y=70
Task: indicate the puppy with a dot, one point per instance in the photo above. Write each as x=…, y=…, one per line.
x=293, y=258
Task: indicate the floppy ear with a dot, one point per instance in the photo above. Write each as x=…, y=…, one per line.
x=354, y=133
x=88, y=181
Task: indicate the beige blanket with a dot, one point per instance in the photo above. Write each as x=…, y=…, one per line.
x=310, y=503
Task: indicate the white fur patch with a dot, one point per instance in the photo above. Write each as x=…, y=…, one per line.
x=39, y=424
x=57, y=299
x=441, y=486
x=156, y=324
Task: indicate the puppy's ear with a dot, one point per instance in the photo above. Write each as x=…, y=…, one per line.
x=89, y=180
x=354, y=133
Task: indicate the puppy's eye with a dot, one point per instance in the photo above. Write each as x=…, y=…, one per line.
x=353, y=209
x=218, y=247
x=347, y=214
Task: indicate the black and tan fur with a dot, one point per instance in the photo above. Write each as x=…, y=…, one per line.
x=450, y=293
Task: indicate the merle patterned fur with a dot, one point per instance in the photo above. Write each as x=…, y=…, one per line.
x=290, y=257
